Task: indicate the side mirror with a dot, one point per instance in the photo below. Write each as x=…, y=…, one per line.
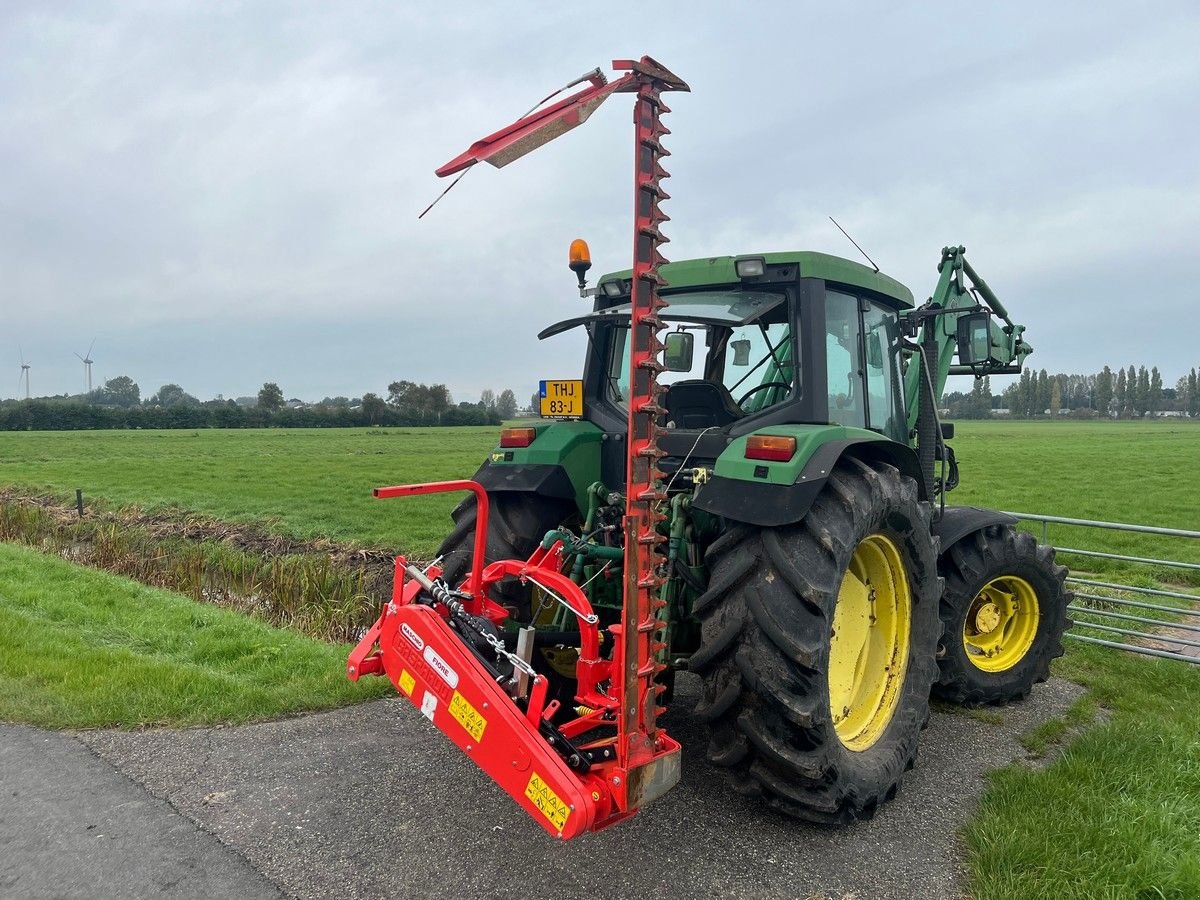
x=741, y=352
x=678, y=354
x=974, y=339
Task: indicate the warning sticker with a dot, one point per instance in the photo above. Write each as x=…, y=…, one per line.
x=547, y=801
x=466, y=714
x=407, y=682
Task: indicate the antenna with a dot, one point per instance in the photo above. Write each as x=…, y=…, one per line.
x=87, y=364
x=855, y=243
x=25, y=367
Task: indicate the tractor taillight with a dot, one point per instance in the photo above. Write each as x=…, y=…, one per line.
x=770, y=447
x=518, y=437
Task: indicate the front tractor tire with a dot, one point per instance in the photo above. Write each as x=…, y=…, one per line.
x=1004, y=610
x=818, y=647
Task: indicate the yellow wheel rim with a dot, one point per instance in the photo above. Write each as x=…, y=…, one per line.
x=1001, y=624
x=868, y=645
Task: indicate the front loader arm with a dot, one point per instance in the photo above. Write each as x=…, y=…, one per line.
x=935, y=326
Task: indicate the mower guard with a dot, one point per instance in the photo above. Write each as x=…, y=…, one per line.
x=428, y=663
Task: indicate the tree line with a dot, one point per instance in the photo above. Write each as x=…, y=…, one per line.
x=1130, y=393
x=118, y=404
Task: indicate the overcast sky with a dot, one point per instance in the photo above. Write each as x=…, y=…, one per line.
x=222, y=194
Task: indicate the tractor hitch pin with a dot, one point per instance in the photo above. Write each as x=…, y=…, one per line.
x=591, y=619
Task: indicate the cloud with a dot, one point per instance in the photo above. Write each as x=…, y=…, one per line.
x=225, y=194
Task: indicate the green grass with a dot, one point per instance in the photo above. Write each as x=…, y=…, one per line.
x=85, y=649
x=1117, y=814
x=1142, y=473
x=303, y=482
x=317, y=482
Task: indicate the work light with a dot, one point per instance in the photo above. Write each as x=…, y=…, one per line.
x=750, y=266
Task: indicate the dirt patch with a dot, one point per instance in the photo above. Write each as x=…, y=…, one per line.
x=1173, y=631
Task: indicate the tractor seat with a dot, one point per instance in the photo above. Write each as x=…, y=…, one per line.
x=701, y=404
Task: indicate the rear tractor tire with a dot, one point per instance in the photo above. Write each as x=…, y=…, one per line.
x=1004, y=611
x=517, y=522
x=818, y=646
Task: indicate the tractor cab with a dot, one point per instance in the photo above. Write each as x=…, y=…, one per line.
x=750, y=341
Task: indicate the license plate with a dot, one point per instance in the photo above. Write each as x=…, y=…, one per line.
x=561, y=399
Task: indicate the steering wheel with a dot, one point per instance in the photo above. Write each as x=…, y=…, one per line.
x=762, y=387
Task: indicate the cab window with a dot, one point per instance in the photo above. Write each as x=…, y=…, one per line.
x=882, y=340
x=843, y=360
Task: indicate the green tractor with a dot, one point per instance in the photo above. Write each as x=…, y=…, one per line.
x=816, y=581
x=747, y=483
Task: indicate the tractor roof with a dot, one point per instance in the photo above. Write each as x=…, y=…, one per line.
x=718, y=270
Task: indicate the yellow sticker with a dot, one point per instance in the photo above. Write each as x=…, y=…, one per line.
x=547, y=801
x=407, y=682
x=460, y=707
x=497, y=457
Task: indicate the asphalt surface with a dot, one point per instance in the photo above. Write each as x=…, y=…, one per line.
x=370, y=801
x=73, y=826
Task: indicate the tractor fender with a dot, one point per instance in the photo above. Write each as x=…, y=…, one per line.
x=543, y=479
x=958, y=522
x=769, y=505
x=560, y=463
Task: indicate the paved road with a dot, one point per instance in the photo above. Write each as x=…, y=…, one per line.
x=370, y=802
x=73, y=826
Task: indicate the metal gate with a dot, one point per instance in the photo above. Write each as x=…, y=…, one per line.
x=1100, y=607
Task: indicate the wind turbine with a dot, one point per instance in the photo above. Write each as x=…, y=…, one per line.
x=25, y=367
x=87, y=365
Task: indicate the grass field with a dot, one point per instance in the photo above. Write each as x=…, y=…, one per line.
x=303, y=482
x=313, y=482
x=85, y=649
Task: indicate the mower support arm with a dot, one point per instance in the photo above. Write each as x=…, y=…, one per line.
x=441, y=487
